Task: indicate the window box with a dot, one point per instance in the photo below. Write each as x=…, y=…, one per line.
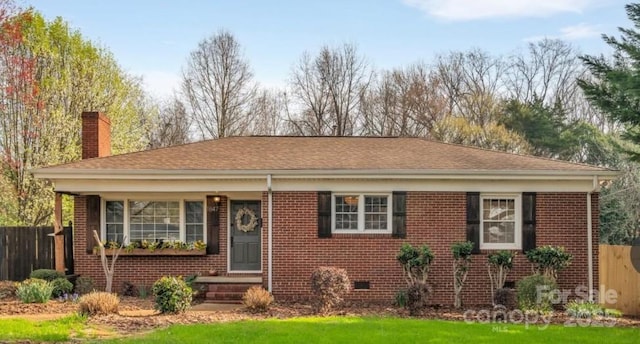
x=156, y=252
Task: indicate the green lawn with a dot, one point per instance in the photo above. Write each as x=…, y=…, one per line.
x=41, y=331
x=380, y=330
x=326, y=330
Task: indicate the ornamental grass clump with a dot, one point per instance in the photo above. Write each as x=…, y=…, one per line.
x=257, y=299
x=328, y=285
x=34, y=290
x=98, y=302
x=172, y=295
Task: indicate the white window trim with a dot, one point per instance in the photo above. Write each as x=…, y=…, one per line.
x=517, y=245
x=361, y=213
x=125, y=222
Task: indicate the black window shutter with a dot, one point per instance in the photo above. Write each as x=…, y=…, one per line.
x=399, y=202
x=528, y=221
x=93, y=220
x=324, y=214
x=213, y=226
x=473, y=220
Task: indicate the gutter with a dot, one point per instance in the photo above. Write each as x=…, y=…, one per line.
x=61, y=173
x=269, y=235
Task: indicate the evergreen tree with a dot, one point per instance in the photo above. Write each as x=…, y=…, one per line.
x=615, y=87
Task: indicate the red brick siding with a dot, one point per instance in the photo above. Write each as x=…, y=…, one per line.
x=96, y=135
x=144, y=270
x=435, y=218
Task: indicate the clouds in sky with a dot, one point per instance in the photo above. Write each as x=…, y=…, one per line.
x=571, y=33
x=464, y=10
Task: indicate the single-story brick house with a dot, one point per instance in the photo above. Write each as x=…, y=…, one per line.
x=275, y=208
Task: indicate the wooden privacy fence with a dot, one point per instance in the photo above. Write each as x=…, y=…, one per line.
x=23, y=249
x=617, y=273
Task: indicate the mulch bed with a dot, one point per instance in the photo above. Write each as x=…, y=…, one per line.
x=144, y=322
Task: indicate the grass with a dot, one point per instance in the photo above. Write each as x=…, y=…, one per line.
x=379, y=330
x=59, y=330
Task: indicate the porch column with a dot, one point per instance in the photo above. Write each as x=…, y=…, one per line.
x=58, y=236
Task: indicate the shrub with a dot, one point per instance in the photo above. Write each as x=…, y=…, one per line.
x=506, y=297
x=257, y=299
x=84, y=285
x=61, y=286
x=588, y=309
x=416, y=263
x=172, y=294
x=7, y=289
x=417, y=296
x=98, y=302
x=533, y=293
x=128, y=289
x=548, y=260
x=329, y=285
x=34, y=290
x=401, y=298
x=46, y=274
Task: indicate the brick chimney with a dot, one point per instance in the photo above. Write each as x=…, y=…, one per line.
x=96, y=135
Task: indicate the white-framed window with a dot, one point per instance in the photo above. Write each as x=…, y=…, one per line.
x=361, y=213
x=500, y=221
x=153, y=220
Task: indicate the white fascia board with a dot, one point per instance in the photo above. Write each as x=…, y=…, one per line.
x=89, y=186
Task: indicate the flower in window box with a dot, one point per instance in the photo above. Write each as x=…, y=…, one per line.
x=199, y=245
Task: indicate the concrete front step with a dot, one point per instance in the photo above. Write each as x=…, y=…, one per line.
x=226, y=302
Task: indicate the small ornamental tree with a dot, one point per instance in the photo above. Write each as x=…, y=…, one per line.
x=416, y=263
x=499, y=265
x=548, y=260
x=461, y=264
x=109, y=270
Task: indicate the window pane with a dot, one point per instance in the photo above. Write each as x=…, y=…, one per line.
x=498, y=217
x=346, y=212
x=194, y=219
x=375, y=210
x=153, y=220
x=194, y=232
x=114, y=214
x=347, y=221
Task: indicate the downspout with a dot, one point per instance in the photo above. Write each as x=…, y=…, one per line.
x=590, y=238
x=269, y=235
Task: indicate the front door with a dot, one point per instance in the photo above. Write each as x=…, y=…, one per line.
x=245, y=236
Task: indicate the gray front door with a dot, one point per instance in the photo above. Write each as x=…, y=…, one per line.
x=245, y=236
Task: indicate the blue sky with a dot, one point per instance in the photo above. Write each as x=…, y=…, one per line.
x=154, y=38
